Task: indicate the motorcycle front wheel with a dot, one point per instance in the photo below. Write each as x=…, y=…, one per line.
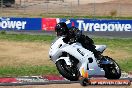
x=69, y=72
x=112, y=71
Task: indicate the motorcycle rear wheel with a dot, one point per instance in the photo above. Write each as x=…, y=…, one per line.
x=113, y=71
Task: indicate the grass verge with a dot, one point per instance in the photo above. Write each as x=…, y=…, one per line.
x=25, y=37
x=116, y=43
x=27, y=71
x=126, y=65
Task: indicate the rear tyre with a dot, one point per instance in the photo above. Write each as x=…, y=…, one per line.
x=112, y=71
x=70, y=73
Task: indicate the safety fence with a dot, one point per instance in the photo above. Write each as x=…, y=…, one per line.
x=114, y=8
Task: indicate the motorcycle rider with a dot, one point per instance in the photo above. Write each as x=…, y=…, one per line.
x=73, y=34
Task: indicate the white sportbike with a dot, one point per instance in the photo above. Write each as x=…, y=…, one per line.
x=70, y=59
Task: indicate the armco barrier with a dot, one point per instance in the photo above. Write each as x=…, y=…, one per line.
x=48, y=24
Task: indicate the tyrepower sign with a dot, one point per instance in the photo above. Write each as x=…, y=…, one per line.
x=20, y=23
x=100, y=25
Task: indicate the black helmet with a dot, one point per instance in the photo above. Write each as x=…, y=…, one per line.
x=61, y=29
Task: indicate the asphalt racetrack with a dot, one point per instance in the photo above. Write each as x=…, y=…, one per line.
x=76, y=85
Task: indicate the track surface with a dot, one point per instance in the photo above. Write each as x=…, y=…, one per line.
x=92, y=34
x=76, y=85
x=51, y=81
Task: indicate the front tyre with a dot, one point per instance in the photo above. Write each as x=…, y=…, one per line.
x=69, y=72
x=112, y=71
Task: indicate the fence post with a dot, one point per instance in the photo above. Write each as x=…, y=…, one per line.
x=119, y=8
x=1, y=6
x=47, y=9
x=78, y=2
x=20, y=3
x=71, y=10
x=93, y=9
x=24, y=6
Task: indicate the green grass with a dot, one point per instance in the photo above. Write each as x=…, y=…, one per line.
x=27, y=71
x=116, y=43
x=121, y=44
x=25, y=37
x=126, y=65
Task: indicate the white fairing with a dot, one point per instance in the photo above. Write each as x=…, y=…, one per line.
x=54, y=49
x=100, y=48
x=79, y=53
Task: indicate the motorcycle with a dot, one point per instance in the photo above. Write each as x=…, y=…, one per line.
x=71, y=58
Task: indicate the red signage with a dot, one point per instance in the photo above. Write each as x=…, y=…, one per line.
x=48, y=24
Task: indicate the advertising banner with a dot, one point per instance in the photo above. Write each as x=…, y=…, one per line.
x=20, y=23
x=100, y=25
x=48, y=24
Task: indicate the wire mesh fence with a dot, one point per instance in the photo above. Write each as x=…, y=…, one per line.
x=116, y=8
